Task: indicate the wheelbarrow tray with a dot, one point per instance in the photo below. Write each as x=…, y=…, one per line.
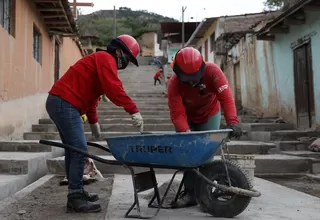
x=187, y=149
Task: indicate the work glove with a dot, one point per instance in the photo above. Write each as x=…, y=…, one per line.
x=137, y=120
x=95, y=130
x=84, y=118
x=236, y=130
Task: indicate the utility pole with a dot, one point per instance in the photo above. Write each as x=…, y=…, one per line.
x=182, y=20
x=76, y=4
x=114, y=22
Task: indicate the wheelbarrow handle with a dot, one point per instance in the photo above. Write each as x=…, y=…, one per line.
x=98, y=146
x=84, y=153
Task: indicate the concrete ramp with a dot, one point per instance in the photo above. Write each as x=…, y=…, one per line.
x=277, y=202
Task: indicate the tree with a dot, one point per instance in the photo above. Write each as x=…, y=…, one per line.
x=277, y=4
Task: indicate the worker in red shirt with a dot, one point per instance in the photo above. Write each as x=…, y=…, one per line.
x=157, y=77
x=195, y=93
x=76, y=93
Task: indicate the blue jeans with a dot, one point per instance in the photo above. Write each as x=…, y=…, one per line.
x=70, y=127
x=212, y=124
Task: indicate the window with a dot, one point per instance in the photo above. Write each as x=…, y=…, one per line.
x=213, y=42
x=36, y=44
x=7, y=15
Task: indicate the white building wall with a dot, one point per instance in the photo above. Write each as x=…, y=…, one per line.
x=157, y=51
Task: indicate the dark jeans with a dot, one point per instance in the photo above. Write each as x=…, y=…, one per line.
x=212, y=124
x=155, y=81
x=68, y=121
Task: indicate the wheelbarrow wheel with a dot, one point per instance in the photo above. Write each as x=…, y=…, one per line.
x=217, y=202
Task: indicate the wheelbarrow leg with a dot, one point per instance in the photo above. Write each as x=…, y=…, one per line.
x=156, y=194
x=142, y=182
x=175, y=198
x=179, y=190
x=136, y=198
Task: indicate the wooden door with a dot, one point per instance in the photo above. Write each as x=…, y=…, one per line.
x=303, y=83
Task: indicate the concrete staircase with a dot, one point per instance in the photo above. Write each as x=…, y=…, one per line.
x=21, y=163
x=274, y=145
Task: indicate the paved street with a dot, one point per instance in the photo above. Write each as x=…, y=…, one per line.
x=276, y=202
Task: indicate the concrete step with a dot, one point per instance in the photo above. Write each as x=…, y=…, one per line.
x=106, y=116
x=10, y=184
x=314, y=159
x=303, y=153
x=270, y=164
x=244, y=119
x=286, y=135
x=141, y=108
x=159, y=100
x=267, y=126
x=282, y=135
x=19, y=170
x=29, y=146
x=292, y=145
x=108, y=127
x=119, y=120
x=143, y=94
x=122, y=113
x=55, y=135
x=23, y=146
x=15, y=163
x=139, y=105
x=249, y=147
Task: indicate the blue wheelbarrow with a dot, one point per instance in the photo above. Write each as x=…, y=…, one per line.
x=222, y=187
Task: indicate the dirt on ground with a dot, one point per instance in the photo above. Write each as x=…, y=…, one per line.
x=48, y=202
x=304, y=184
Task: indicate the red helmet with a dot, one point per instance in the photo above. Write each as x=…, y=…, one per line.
x=129, y=46
x=188, y=64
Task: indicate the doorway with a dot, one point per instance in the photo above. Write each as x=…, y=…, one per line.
x=56, y=60
x=237, y=85
x=303, y=85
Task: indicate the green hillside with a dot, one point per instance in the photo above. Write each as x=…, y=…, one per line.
x=100, y=23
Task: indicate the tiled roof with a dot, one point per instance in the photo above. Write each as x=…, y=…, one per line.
x=244, y=23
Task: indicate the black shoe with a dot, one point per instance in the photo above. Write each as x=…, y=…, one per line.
x=78, y=202
x=91, y=197
x=185, y=199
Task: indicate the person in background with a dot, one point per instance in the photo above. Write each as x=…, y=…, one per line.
x=157, y=77
x=77, y=93
x=195, y=93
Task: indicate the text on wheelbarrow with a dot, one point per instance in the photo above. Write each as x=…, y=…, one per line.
x=150, y=149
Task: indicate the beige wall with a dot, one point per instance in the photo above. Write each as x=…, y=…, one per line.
x=147, y=44
x=70, y=53
x=24, y=83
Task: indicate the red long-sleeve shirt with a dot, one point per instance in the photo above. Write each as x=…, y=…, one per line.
x=187, y=104
x=158, y=74
x=88, y=79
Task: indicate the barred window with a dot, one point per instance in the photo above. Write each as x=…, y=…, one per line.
x=36, y=44
x=6, y=15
